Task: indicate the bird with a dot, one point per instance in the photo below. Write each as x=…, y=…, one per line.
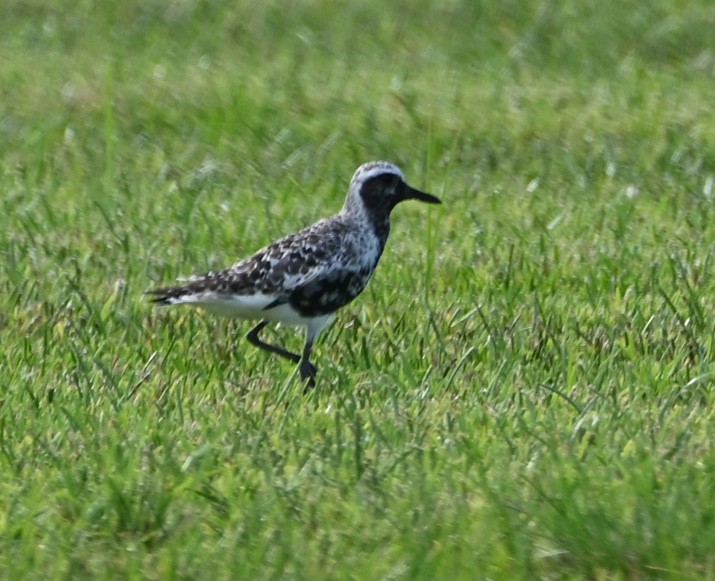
x=302, y=279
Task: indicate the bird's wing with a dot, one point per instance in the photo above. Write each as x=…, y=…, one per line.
x=277, y=269
x=293, y=261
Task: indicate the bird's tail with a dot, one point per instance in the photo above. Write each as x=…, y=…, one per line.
x=168, y=295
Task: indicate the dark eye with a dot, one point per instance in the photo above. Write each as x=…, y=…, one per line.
x=389, y=180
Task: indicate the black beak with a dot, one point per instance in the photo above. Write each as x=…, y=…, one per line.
x=413, y=194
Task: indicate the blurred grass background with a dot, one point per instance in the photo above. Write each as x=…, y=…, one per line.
x=524, y=390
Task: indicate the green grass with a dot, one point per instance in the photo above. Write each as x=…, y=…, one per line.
x=524, y=390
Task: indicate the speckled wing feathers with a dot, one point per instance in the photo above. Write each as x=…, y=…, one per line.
x=285, y=264
x=316, y=270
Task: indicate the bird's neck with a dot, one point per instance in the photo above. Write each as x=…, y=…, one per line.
x=377, y=223
x=381, y=228
x=376, y=219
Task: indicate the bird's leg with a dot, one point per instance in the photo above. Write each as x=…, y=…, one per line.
x=307, y=369
x=255, y=340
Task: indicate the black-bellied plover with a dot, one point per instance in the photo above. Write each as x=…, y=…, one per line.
x=304, y=278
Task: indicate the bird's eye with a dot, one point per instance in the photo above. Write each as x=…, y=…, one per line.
x=390, y=181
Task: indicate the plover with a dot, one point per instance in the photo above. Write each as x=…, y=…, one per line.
x=303, y=278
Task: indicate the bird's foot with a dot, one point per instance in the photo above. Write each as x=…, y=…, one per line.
x=308, y=371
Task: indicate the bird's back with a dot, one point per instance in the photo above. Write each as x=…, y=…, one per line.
x=316, y=270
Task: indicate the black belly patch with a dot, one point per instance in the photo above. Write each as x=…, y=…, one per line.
x=328, y=293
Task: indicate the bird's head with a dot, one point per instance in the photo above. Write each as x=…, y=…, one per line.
x=378, y=186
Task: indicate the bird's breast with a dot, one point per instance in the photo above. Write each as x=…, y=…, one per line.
x=331, y=291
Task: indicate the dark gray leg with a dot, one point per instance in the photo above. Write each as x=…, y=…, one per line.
x=255, y=340
x=307, y=369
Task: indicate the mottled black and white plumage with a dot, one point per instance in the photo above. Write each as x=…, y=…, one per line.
x=304, y=278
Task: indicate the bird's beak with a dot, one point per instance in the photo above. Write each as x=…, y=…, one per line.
x=413, y=194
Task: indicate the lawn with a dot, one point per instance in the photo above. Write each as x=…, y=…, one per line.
x=525, y=389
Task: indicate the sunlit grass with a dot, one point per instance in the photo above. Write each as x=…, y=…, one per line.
x=525, y=388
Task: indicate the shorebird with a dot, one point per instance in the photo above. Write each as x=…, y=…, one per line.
x=304, y=278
